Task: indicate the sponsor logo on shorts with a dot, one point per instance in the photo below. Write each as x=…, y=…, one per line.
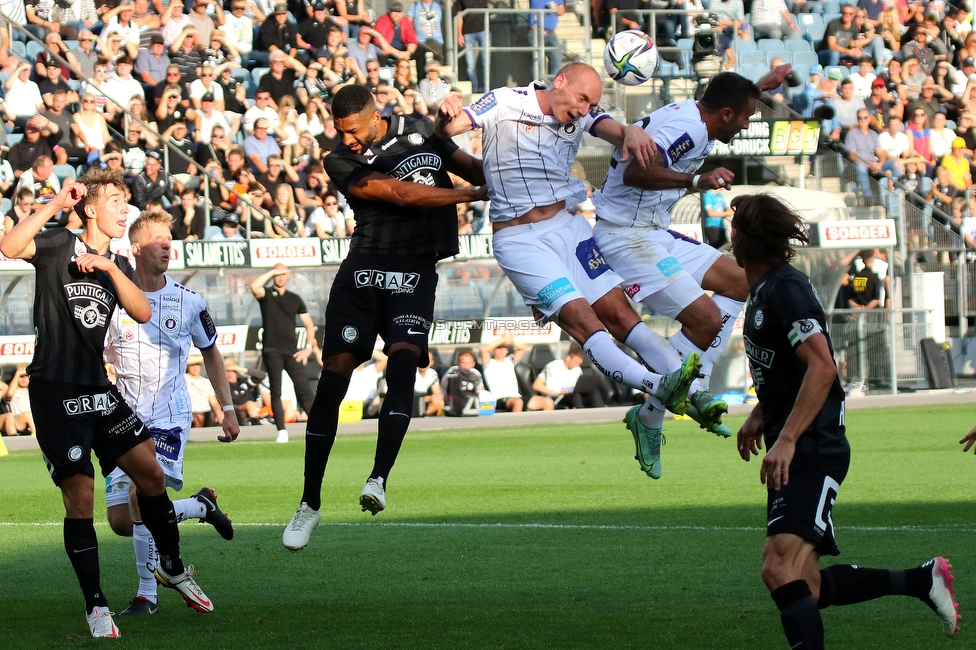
x=632, y=290
x=394, y=281
x=103, y=403
x=591, y=258
x=669, y=266
x=554, y=290
x=168, y=443
x=759, y=355
x=413, y=320
x=758, y=320
x=350, y=334
x=75, y=453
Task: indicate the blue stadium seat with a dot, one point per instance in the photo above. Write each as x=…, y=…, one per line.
x=814, y=34
x=770, y=44
x=6, y=205
x=242, y=75
x=667, y=70
x=828, y=16
x=33, y=49
x=809, y=19
x=786, y=56
x=18, y=48
x=798, y=45
x=256, y=75
x=14, y=138
x=751, y=58
x=71, y=44
x=831, y=6
x=747, y=45
x=753, y=72
x=64, y=171
x=843, y=69
x=814, y=7
x=803, y=60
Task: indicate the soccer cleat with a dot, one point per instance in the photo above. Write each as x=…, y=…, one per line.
x=140, y=606
x=707, y=411
x=101, y=625
x=373, y=497
x=648, y=443
x=282, y=436
x=941, y=598
x=215, y=516
x=188, y=588
x=673, y=387
x=300, y=528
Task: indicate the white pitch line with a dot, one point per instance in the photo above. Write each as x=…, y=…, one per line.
x=532, y=526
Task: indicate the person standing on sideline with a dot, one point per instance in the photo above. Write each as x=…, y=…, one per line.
x=549, y=254
x=800, y=417
x=279, y=341
x=394, y=173
x=78, y=285
x=149, y=359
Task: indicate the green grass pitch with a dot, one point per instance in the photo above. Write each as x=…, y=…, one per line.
x=541, y=537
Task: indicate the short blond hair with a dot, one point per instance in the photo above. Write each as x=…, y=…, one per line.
x=146, y=220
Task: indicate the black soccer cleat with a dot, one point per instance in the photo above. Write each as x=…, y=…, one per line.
x=141, y=606
x=215, y=516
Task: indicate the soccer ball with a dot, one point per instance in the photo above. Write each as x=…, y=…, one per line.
x=630, y=57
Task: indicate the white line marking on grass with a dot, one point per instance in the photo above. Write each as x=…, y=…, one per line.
x=969, y=528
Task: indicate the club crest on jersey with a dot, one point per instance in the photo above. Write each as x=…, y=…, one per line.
x=415, y=138
x=74, y=454
x=171, y=324
x=758, y=320
x=350, y=334
x=569, y=129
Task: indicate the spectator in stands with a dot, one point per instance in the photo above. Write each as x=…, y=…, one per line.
x=401, y=77
x=881, y=107
x=398, y=33
x=203, y=400
x=185, y=53
x=334, y=46
x=153, y=183
x=171, y=79
x=173, y=21
x=206, y=85
x=113, y=159
x=864, y=148
x=170, y=109
x=310, y=192
x=363, y=50
x=121, y=86
x=968, y=229
x=966, y=129
x=941, y=136
x=239, y=31
x=272, y=178
x=41, y=137
x=257, y=220
x=22, y=421
x=230, y=230
x=893, y=80
x=894, y=141
x=134, y=148
x=90, y=128
x=919, y=138
x=285, y=221
x=151, y=64
x=200, y=19
x=280, y=81
x=23, y=200
x=235, y=97
x=864, y=290
x=208, y=118
x=920, y=48
x=432, y=88
x=244, y=384
x=41, y=181
x=957, y=162
x=182, y=171
x=314, y=82
x=190, y=220
x=847, y=106
x=557, y=381
x=867, y=39
x=214, y=149
x=498, y=358
x=554, y=48
x=278, y=34
x=428, y=385
x=83, y=56
x=873, y=10
x=772, y=19
x=461, y=384
x=913, y=77
x=717, y=210
x=471, y=34
x=941, y=195
x=259, y=145
x=313, y=32
x=53, y=43
x=811, y=96
x=931, y=99
x=299, y=157
x=838, y=44
x=863, y=77
x=60, y=116
x=23, y=97
x=426, y=16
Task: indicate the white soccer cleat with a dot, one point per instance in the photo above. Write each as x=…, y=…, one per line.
x=941, y=598
x=300, y=528
x=282, y=436
x=373, y=497
x=187, y=587
x=101, y=624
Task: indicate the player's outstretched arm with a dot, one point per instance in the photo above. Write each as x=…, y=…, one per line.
x=451, y=120
x=380, y=187
x=302, y=355
x=750, y=434
x=467, y=167
x=658, y=177
x=631, y=140
x=817, y=380
x=19, y=242
x=775, y=77
x=214, y=364
x=969, y=440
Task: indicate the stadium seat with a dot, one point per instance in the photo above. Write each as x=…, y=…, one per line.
x=6, y=205
x=667, y=70
x=814, y=34
x=770, y=44
x=809, y=19
x=539, y=356
x=746, y=45
x=18, y=48
x=80, y=170
x=33, y=49
x=830, y=16
x=256, y=75
x=785, y=55
x=814, y=7
x=798, y=45
x=14, y=138
x=831, y=6
x=241, y=74
x=843, y=69
x=751, y=58
x=754, y=72
x=803, y=61
x=71, y=44
x=64, y=171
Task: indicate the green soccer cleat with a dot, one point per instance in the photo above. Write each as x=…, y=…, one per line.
x=648, y=443
x=707, y=411
x=673, y=387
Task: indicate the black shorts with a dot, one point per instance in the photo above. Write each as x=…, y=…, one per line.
x=392, y=297
x=803, y=508
x=72, y=421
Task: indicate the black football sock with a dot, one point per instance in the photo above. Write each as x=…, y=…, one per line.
x=800, y=616
x=81, y=545
x=320, y=433
x=846, y=584
x=159, y=517
x=401, y=370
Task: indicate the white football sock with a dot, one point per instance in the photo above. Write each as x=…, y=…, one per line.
x=730, y=312
x=189, y=509
x=612, y=361
x=145, y=549
x=651, y=413
x=653, y=349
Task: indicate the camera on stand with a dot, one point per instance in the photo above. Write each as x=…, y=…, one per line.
x=706, y=54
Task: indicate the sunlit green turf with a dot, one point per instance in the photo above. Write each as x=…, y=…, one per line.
x=541, y=537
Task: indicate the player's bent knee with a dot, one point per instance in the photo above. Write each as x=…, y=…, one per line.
x=119, y=520
x=701, y=321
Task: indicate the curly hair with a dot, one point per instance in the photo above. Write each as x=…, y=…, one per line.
x=765, y=230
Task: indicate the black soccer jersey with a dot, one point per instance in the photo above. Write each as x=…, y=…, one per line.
x=411, y=152
x=784, y=311
x=71, y=311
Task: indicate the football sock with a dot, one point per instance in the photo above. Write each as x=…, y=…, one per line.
x=651, y=413
x=159, y=517
x=612, y=362
x=800, y=617
x=730, y=312
x=142, y=542
x=653, y=349
x=846, y=584
x=81, y=545
x=401, y=371
x=189, y=509
x=320, y=433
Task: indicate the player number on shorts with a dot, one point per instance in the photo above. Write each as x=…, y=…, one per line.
x=828, y=495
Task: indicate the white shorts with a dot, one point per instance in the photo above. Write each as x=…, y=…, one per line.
x=661, y=269
x=170, y=444
x=552, y=262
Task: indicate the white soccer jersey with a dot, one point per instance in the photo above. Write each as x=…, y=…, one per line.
x=150, y=358
x=682, y=140
x=527, y=155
